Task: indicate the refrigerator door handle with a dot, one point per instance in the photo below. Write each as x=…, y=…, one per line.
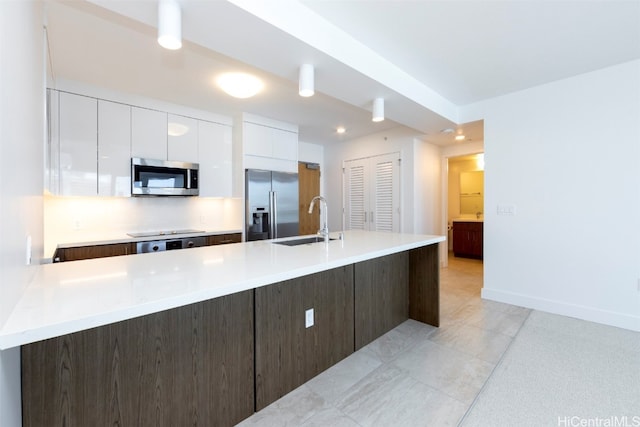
x=273, y=216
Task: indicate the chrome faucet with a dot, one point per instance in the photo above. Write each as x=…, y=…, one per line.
x=324, y=231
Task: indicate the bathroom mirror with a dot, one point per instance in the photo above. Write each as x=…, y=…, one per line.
x=472, y=192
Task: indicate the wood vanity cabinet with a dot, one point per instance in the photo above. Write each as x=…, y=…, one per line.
x=189, y=366
x=96, y=251
x=468, y=239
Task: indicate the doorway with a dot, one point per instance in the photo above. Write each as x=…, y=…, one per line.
x=463, y=206
x=308, y=188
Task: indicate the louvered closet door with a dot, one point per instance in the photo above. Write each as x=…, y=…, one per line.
x=385, y=193
x=372, y=193
x=356, y=192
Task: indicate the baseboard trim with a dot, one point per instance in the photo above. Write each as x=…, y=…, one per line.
x=611, y=318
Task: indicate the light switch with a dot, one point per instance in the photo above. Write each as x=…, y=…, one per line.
x=506, y=209
x=308, y=318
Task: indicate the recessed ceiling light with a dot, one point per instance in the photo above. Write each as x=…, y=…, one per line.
x=341, y=129
x=459, y=137
x=240, y=85
x=447, y=130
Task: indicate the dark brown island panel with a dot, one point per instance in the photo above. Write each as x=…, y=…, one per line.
x=217, y=362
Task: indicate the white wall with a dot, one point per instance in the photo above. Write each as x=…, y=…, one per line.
x=22, y=97
x=567, y=156
x=90, y=219
x=427, y=189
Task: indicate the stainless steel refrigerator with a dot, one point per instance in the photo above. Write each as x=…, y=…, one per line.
x=271, y=204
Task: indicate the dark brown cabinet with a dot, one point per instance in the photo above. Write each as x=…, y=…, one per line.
x=381, y=296
x=467, y=239
x=191, y=365
x=223, y=239
x=97, y=251
x=287, y=353
x=78, y=253
x=216, y=362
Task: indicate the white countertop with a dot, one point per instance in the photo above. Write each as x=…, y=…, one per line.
x=474, y=219
x=72, y=296
x=120, y=238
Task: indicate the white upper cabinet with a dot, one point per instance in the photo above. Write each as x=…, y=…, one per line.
x=215, y=148
x=114, y=149
x=78, y=142
x=148, y=133
x=91, y=142
x=182, y=138
x=269, y=147
x=52, y=157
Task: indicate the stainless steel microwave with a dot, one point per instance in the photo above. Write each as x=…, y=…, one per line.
x=163, y=178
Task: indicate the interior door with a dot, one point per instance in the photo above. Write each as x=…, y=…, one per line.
x=356, y=194
x=385, y=193
x=372, y=193
x=309, y=187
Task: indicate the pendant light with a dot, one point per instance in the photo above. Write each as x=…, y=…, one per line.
x=378, y=110
x=306, y=78
x=169, y=24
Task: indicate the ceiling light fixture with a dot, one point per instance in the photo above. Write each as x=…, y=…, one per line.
x=169, y=24
x=459, y=137
x=305, y=80
x=240, y=85
x=378, y=110
x=341, y=129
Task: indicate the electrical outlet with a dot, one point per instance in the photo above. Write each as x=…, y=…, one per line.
x=308, y=318
x=77, y=225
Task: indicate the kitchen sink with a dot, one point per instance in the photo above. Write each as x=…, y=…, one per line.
x=303, y=241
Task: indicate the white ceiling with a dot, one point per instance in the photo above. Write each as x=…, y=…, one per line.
x=426, y=58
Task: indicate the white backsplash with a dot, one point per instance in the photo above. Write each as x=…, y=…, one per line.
x=89, y=219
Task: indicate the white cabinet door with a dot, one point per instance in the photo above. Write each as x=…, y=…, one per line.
x=215, y=148
x=182, y=137
x=52, y=157
x=269, y=148
x=372, y=193
x=114, y=149
x=148, y=134
x=78, y=116
x=257, y=140
x=285, y=144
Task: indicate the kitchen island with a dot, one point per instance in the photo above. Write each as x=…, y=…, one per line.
x=211, y=333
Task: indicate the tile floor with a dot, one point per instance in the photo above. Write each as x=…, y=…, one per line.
x=415, y=375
